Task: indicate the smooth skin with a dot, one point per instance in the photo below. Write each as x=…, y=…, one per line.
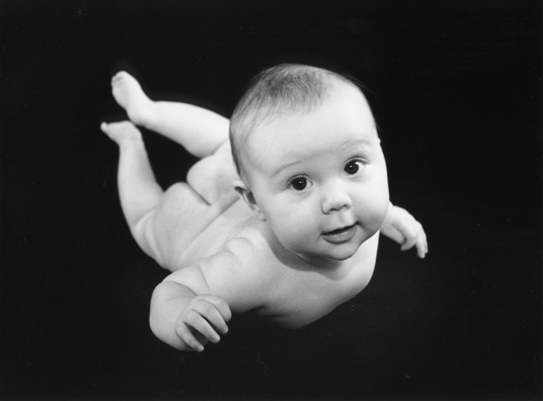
x=299, y=238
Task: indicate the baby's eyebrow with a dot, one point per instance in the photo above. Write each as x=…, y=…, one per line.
x=365, y=142
x=357, y=142
x=285, y=166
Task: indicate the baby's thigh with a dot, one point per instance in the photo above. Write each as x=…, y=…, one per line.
x=181, y=217
x=212, y=176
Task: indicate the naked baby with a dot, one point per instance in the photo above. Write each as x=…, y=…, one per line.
x=280, y=217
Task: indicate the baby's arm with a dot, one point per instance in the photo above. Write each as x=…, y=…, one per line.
x=193, y=305
x=402, y=227
x=184, y=314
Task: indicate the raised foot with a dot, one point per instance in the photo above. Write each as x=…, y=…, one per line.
x=129, y=95
x=122, y=133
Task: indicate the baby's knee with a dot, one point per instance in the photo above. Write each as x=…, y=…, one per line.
x=177, y=193
x=212, y=177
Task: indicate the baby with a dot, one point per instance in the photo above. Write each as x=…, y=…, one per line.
x=281, y=216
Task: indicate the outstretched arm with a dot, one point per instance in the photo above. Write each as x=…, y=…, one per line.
x=402, y=227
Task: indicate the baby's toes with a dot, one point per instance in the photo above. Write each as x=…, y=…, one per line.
x=121, y=132
x=117, y=78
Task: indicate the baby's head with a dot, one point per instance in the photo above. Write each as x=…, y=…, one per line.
x=280, y=90
x=306, y=148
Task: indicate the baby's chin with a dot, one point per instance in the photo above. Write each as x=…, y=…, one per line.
x=329, y=259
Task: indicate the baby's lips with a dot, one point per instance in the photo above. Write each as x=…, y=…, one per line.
x=340, y=235
x=338, y=229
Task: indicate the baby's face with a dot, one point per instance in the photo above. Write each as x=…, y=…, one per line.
x=319, y=178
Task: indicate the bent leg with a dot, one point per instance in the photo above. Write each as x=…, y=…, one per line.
x=198, y=130
x=213, y=177
x=138, y=190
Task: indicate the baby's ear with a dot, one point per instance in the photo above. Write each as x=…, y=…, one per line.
x=247, y=196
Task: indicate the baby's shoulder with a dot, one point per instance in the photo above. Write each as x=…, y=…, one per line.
x=239, y=245
x=248, y=246
x=239, y=273
x=252, y=253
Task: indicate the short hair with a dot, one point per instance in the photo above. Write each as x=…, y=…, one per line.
x=285, y=88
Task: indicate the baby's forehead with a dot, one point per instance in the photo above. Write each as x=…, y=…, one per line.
x=339, y=92
x=341, y=98
x=344, y=116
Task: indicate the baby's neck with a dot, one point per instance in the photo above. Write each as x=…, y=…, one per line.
x=320, y=262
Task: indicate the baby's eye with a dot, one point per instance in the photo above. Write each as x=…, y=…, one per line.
x=352, y=167
x=299, y=183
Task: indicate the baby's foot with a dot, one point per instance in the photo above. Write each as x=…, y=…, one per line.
x=122, y=133
x=129, y=95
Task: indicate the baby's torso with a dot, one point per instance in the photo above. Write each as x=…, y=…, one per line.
x=297, y=295
x=293, y=294
x=286, y=289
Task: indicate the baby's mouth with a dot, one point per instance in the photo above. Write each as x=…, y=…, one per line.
x=340, y=235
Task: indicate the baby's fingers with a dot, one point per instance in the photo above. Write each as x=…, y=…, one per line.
x=224, y=310
x=215, y=317
x=185, y=333
x=409, y=233
x=195, y=331
x=203, y=319
x=415, y=236
x=422, y=244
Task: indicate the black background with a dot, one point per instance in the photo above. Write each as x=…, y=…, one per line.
x=456, y=90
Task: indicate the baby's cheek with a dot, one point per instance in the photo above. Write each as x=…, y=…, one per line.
x=293, y=230
x=375, y=215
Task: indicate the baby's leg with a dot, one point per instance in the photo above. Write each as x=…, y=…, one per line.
x=138, y=189
x=198, y=130
x=213, y=177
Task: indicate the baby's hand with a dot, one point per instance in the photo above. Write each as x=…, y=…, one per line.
x=202, y=319
x=404, y=229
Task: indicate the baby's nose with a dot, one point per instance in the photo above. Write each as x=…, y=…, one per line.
x=335, y=199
